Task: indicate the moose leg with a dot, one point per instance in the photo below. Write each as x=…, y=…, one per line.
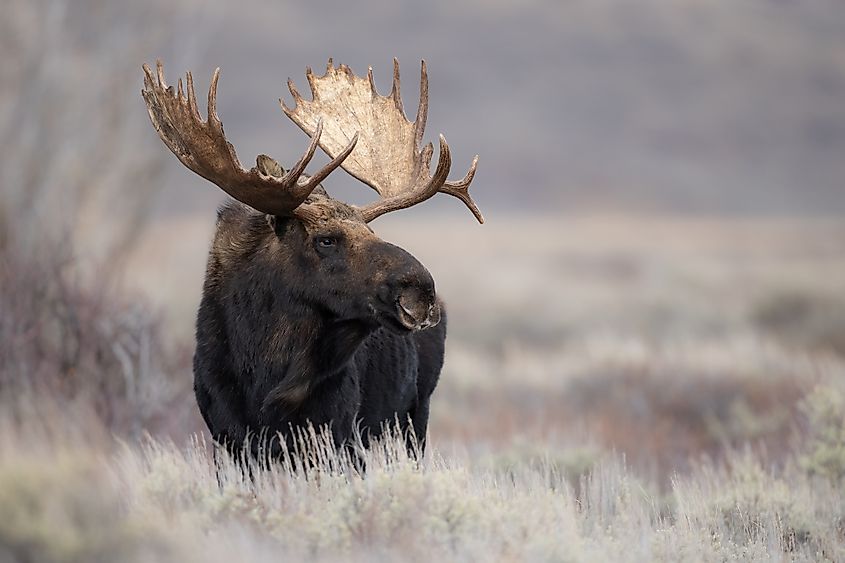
x=246, y=446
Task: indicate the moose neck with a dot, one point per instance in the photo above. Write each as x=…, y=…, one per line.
x=319, y=349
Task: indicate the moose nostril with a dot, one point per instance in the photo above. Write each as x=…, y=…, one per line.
x=407, y=310
x=412, y=305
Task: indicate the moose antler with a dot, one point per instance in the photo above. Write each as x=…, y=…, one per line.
x=203, y=148
x=387, y=157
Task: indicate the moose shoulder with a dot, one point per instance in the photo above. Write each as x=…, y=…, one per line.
x=307, y=316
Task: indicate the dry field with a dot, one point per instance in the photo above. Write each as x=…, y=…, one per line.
x=616, y=389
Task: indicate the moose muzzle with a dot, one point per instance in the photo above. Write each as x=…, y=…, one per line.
x=417, y=312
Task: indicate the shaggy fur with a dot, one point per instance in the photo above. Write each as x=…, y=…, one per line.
x=290, y=332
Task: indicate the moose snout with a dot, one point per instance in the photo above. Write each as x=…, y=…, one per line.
x=410, y=301
x=406, y=299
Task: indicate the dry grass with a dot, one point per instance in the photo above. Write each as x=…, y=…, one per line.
x=65, y=498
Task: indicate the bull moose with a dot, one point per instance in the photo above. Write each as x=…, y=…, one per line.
x=308, y=317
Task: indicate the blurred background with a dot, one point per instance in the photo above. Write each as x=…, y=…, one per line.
x=662, y=271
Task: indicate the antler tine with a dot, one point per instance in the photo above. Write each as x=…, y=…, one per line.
x=192, y=97
x=395, y=93
x=422, y=109
x=460, y=190
x=213, y=119
x=160, y=73
x=298, y=168
x=202, y=147
x=310, y=76
x=293, y=91
x=372, y=82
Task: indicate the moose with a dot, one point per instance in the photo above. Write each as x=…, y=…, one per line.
x=308, y=317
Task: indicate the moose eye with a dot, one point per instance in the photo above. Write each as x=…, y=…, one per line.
x=326, y=242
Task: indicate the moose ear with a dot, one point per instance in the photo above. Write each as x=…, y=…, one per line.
x=268, y=166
